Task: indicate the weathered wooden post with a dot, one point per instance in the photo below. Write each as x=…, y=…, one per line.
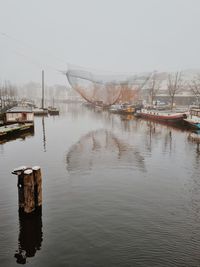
x=38, y=185
x=29, y=188
x=29, y=196
x=20, y=184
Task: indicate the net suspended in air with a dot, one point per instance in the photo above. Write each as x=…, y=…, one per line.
x=102, y=89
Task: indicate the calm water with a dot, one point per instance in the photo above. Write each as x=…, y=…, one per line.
x=116, y=192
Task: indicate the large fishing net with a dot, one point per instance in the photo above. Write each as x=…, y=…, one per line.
x=105, y=89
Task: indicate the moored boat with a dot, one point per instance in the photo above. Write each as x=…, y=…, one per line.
x=53, y=111
x=15, y=129
x=193, y=120
x=40, y=112
x=122, y=109
x=115, y=108
x=168, y=117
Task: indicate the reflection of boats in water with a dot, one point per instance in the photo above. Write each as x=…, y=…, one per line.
x=15, y=129
x=18, y=134
x=195, y=138
x=102, y=149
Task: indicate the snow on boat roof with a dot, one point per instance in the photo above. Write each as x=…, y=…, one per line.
x=19, y=110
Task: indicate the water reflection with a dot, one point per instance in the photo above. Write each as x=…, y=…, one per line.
x=21, y=137
x=117, y=215
x=195, y=139
x=30, y=236
x=102, y=148
x=44, y=134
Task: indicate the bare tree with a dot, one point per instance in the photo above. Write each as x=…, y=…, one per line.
x=174, y=86
x=154, y=87
x=1, y=100
x=194, y=86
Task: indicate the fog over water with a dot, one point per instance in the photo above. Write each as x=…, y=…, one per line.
x=122, y=36
x=117, y=191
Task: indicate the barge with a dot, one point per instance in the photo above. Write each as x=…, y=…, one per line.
x=168, y=117
x=15, y=129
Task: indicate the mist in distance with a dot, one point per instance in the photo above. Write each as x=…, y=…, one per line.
x=116, y=36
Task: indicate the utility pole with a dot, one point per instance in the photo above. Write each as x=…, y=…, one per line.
x=42, y=89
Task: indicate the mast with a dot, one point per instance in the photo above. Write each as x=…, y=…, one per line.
x=42, y=89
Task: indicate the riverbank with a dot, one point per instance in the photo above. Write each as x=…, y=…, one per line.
x=116, y=192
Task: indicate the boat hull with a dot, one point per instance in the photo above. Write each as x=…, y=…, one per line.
x=170, y=118
x=12, y=130
x=193, y=124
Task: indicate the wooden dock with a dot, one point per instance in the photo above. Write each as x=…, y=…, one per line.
x=10, y=130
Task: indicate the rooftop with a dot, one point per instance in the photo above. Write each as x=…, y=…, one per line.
x=20, y=110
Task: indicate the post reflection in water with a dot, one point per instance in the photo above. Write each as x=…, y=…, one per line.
x=30, y=236
x=44, y=134
x=102, y=148
x=126, y=194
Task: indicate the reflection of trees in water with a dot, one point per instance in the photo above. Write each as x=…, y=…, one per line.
x=152, y=133
x=193, y=204
x=192, y=195
x=102, y=149
x=30, y=236
x=156, y=133
x=195, y=140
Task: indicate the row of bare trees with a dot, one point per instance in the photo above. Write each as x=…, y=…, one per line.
x=8, y=93
x=195, y=88
x=175, y=84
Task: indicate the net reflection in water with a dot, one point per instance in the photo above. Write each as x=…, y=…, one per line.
x=102, y=149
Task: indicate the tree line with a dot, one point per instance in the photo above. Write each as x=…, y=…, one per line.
x=174, y=85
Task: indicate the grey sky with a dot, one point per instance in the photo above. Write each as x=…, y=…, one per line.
x=113, y=35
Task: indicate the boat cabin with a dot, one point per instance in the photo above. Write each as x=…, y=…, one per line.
x=19, y=115
x=195, y=112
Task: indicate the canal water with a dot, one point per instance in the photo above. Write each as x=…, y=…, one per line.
x=117, y=191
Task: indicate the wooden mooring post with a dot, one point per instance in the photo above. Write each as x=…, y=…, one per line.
x=29, y=188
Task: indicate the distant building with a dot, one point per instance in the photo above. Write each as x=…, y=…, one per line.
x=184, y=98
x=19, y=115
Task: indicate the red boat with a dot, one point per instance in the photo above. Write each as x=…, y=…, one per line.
x=161, y=116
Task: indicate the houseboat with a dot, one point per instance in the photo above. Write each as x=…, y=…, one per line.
x=17, y=121
x=168, y=117
x=19, y=115
x=193, y=120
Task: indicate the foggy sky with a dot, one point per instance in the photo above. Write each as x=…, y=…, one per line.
x=114, y=35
